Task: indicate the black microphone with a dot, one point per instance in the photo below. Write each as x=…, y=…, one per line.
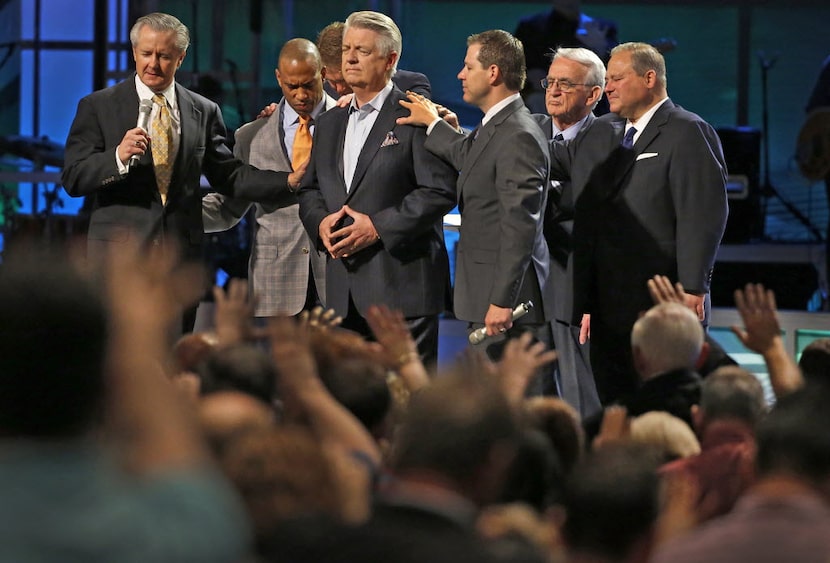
x=144, y=110
x=479, y=334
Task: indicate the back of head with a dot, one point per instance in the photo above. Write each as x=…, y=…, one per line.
x=560, y=423
x=793, y=438
x=225, y=415
x=671, y=436
x=815, y=361
x=158, y=21
x=611, y=501
x=192, y=349
x=645, y=57
x=668, y=337
x=454, y=427
x=389, y=36
x=53, y=338
x=330, y=44
x=499, y=48
x=359, y=384
x=241, y=367
x=731, y=392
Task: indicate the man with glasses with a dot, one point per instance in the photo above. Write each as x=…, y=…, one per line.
x=651, y=185
x=573, y=87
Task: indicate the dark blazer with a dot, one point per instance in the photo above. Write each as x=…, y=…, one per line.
x=129, y=207
x=657, y=209
x=405, y=190
x=502, y=255
x=558, y=230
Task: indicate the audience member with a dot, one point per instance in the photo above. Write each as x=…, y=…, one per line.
x=731, y=406
x=815, y=361
x=99, y=458
x=784, y=516
x=670, y=436
x=561, y=424
x=226, y=415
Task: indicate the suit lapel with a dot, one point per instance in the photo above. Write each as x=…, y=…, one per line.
x=650, y=133
x=384, y=124
x=480, y=143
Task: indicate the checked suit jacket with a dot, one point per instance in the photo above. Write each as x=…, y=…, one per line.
x=282, y=253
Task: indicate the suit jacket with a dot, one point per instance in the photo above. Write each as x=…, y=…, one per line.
x=657, y=209
x=558, y=229
x=129, y=206
x=405, y=190
x=282, y=252
x=502, y=255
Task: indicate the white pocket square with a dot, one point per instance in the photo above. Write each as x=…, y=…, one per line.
x=646, y=155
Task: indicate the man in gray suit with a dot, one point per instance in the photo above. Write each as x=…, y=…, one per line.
x=503, y=258
x=374, y=198
x=652, y=200
x=573, y=87
x=286, y=272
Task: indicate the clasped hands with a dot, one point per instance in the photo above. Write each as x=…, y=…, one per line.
x=344, y=241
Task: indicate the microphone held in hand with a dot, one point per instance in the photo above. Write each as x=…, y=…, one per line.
x=144, y=110
x=479, y=334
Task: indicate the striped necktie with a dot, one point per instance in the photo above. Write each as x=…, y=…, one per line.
x=162, y=144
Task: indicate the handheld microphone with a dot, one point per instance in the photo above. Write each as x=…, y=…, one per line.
x=479, y=334
x=144, y=110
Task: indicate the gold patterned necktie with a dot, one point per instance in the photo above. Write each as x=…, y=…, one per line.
x=302, y=143
x=162, y=144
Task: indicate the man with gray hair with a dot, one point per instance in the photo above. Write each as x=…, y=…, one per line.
x=374, y=198
x=573, y=87
x=138, y=149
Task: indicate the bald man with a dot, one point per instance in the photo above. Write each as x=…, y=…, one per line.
x=286, y=273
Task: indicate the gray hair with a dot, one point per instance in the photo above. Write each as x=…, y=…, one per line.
x=587, y=58
x=158, y=21
x=644, y=58
x=389, y=36
x=669, y=336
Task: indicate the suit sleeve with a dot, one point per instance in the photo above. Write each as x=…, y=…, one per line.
x=313, y=207
x=698, y=184
x=521, y=178
x=89, y=164
x=422, y=207
x=448, y=144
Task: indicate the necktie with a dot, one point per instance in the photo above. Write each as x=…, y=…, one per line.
x=302, y=143
x=162, y=143
x=628, y=140
x=559, y=137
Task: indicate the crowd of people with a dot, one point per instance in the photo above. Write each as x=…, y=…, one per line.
x=311, y=423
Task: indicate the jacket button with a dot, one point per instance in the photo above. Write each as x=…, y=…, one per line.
x=305, y=250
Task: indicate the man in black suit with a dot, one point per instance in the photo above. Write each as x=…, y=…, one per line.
x=373, y=196
x=157, y=199
x=573, y=86
x=653, y=201
x=330, y=45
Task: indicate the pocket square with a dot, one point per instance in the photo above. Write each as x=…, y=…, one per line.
x=646, y=155
x=390, y=140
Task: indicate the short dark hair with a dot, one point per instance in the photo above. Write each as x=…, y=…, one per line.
x=732, y=392
x=53, y=342
x=793, y=437
x=330, y=44
x=506, y=52
x=241, y=367
x=815, y=360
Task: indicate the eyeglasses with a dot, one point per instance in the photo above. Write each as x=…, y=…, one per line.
x=564, y=84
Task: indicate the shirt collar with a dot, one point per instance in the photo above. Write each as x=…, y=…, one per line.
x=498, y=107
x=642, y=123
x=144, y=93
x=375, y=103
x=571, y=131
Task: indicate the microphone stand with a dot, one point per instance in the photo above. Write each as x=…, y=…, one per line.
x=768, y=190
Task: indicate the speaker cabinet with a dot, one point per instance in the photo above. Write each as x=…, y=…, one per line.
x=742, y=151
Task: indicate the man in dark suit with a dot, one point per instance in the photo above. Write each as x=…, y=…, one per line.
x=330, y=44
x=573, y=87
x=652, y=201
x=374, y=197
x=502, y=257
x=157, y=199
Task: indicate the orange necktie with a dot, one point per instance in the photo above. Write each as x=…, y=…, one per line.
x=302, y=143
x=162, y=144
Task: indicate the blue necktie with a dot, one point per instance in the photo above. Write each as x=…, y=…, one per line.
x=559, y=137
x=628, y=140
